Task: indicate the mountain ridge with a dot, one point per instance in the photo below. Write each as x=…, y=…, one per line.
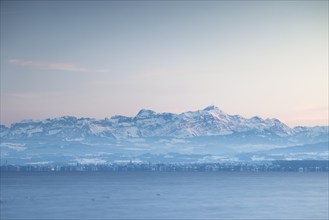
x=148, y=134
x=210, y=121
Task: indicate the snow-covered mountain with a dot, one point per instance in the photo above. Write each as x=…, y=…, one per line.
x=204, y=131
x=210, y=121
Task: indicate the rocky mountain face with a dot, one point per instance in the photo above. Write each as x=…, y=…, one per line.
x=210, y=121
x=205, y=131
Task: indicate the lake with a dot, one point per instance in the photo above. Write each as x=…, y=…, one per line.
x=164, y=195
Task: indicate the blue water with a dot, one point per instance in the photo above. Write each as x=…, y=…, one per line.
x=151, y=195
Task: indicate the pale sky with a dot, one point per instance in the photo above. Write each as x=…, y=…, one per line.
x=102, y=58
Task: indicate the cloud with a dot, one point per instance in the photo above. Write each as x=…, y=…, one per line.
x=32, y=95
x=33, y=64
x=69, y=67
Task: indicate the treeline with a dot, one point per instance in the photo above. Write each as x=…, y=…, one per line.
x=265, y=166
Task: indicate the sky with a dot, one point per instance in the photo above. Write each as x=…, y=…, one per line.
x=103, y=58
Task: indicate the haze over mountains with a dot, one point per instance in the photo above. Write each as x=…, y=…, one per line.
x=210, y=133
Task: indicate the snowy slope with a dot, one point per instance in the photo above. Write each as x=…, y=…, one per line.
x=208, y=131
x=147, y=123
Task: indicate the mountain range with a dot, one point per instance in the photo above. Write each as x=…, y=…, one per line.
x=204, y=132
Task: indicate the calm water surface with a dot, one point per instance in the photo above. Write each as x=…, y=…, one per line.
x=167, y=195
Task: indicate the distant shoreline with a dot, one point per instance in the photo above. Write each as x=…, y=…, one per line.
x=250, y=166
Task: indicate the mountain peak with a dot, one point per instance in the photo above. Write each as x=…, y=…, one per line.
x=211, y=107
x=28, y=121
x=256, y=119
x=144, y=113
